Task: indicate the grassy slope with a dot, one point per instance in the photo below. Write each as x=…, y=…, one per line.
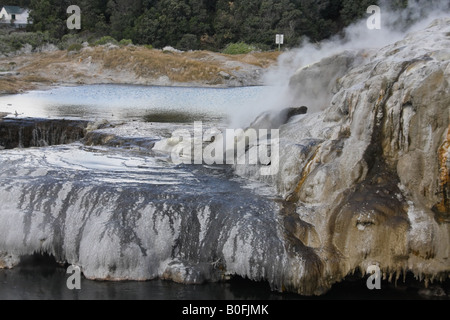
x=129, y=65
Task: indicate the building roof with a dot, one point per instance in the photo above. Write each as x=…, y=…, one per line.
x=14, y=9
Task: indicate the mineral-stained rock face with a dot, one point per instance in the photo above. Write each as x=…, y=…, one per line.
x=370, y=173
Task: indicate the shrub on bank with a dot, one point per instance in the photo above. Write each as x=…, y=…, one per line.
x=239, y=48
x=70, y=40
x=105, y=40
x=75, y=47
x=188, y=42
x=125, y=42
x=15, y=41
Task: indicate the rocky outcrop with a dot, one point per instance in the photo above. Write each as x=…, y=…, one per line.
x=369, y=175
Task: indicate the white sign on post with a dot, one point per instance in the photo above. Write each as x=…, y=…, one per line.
x=279, y=40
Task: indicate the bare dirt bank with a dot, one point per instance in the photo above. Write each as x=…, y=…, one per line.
x=132, y=65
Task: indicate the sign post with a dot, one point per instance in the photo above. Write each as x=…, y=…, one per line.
x=279, y=40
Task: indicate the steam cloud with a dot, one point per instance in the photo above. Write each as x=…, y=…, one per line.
x=395, y=25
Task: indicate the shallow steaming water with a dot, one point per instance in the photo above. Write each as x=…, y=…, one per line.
x=121, y=102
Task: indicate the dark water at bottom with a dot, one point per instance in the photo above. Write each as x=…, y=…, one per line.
x=38, y=278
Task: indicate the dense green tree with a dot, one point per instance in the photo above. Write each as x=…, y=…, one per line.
x=203, y=24
x=95, y=16
x=355, y=9
x=163, y=24
x=19, y=3
x=257, y=21
x=50, y=16
x=188, y=42
x=123, y=14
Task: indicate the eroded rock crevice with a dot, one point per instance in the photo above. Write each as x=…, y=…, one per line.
x=26, y=133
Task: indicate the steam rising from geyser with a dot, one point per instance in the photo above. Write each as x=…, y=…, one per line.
x=395, y=25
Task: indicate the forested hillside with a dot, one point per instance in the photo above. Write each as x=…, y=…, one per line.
x=200, y=24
